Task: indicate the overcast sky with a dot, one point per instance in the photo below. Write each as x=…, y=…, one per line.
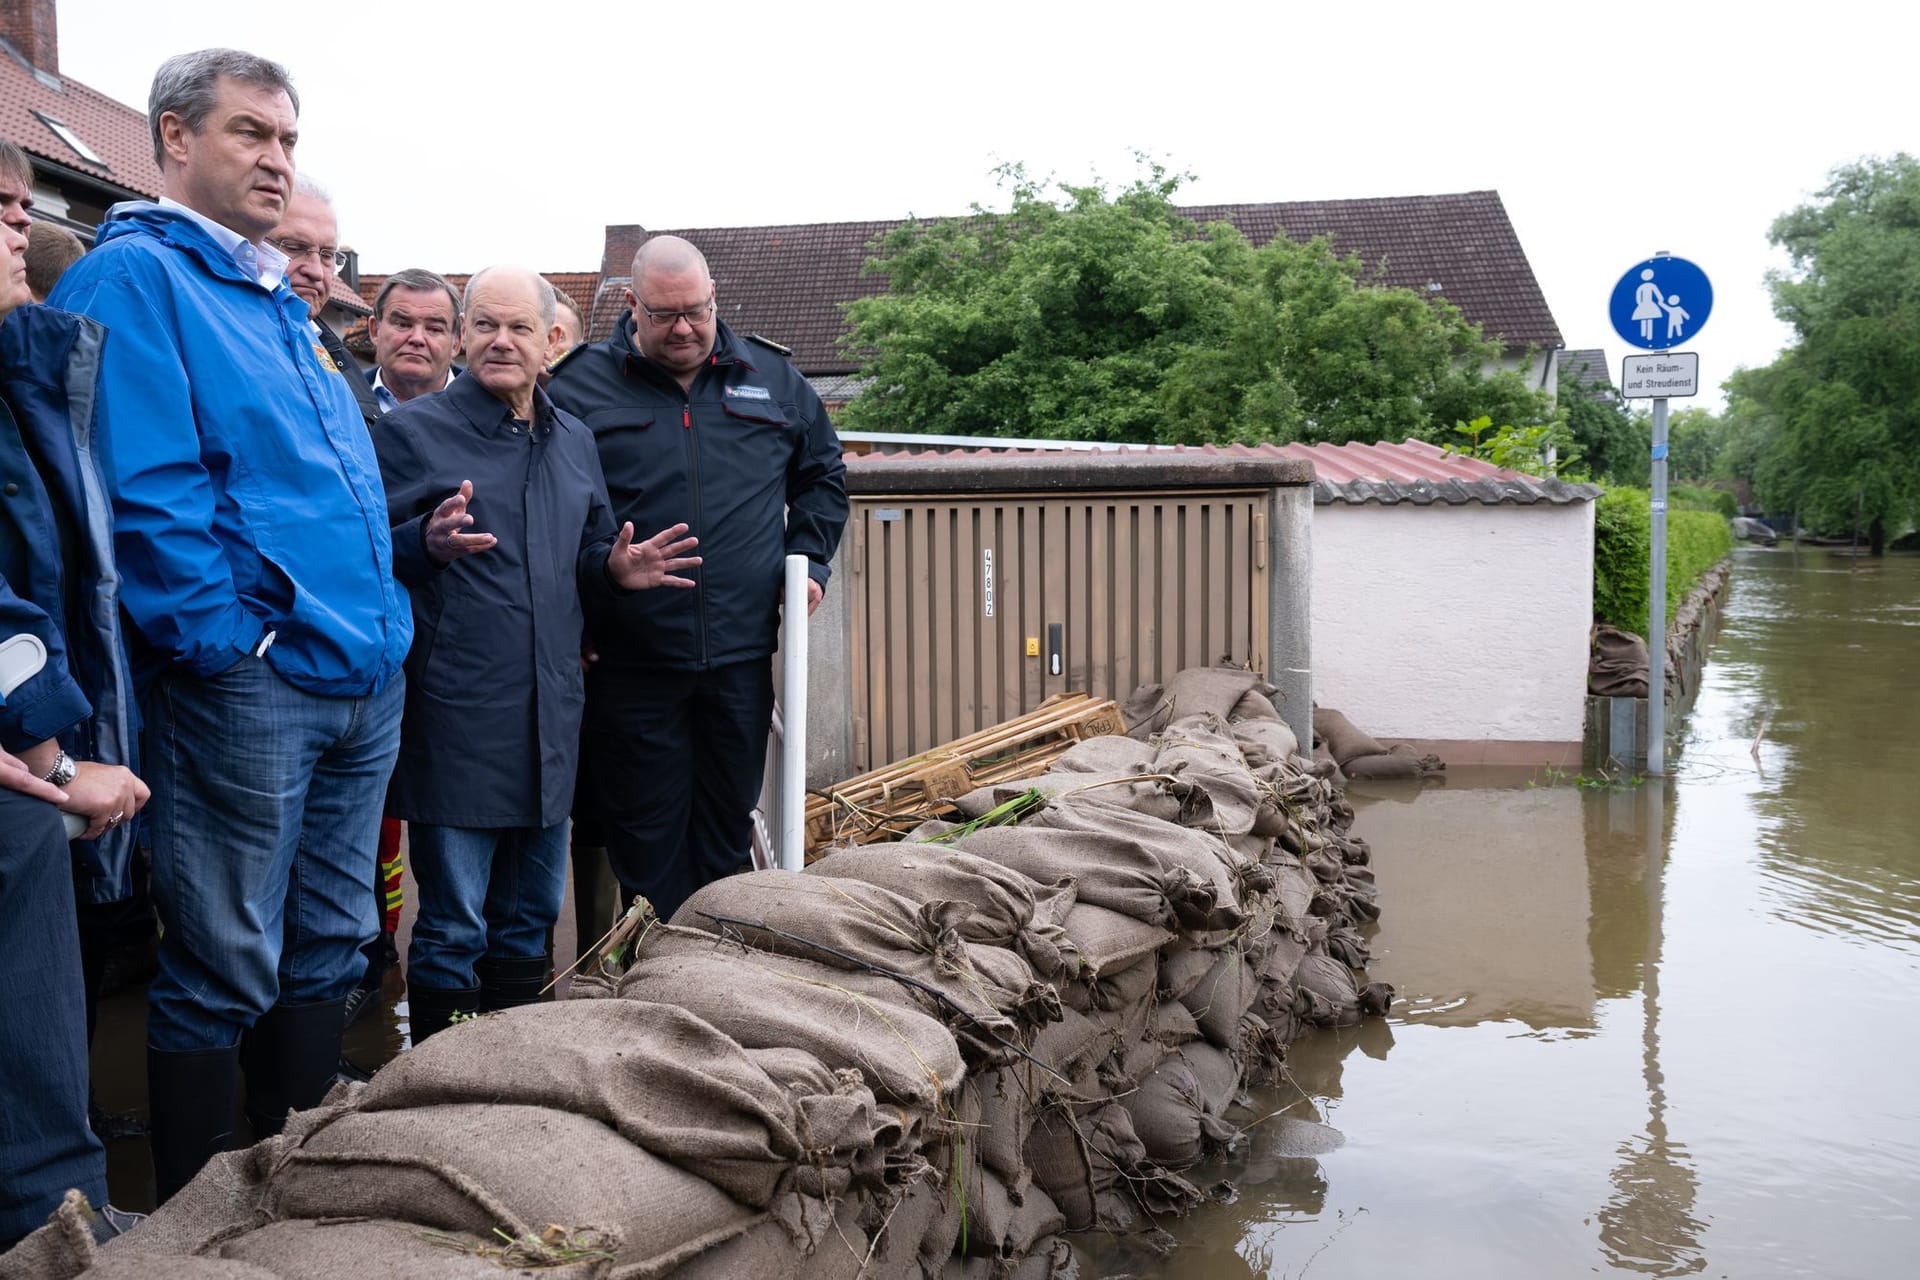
x=455, y=135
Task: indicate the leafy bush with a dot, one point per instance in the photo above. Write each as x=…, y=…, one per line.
x=1622, y=538
x=1690, y=497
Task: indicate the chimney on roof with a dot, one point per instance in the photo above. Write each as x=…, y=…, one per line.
x=29, y=26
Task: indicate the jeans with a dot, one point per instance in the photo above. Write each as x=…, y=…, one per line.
x=482, y=893
x=264, y=820
x=45, y=1144
x=673, y=762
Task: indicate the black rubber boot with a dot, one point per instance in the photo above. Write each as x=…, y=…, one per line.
x=507, y=982
x=432, y=1010
x=189, y=1112
x=289, y=1056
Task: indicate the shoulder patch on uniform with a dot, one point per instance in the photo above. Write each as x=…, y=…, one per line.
x=749, y=393
x=771, y=345
x=564, y=360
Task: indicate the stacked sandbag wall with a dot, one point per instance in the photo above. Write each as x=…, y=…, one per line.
x=938, y=1057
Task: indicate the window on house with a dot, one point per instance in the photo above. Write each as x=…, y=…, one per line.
x=63, y=131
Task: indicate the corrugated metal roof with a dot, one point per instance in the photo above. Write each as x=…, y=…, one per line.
x=1414, y=472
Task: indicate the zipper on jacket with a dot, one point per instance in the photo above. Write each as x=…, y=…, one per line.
x=693, y=482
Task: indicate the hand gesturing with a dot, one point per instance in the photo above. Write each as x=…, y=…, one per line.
x=653, y=563
x=446, y=531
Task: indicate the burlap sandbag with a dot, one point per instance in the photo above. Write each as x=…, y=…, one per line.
x=1143, y=792
x=1009, y=910
x=1396, y=762
x=986, y=1036
x=1218, y=792
x=480, y=1169
x=1108, y=941
x=1194, y=691
x=222, y=1200
x=126, y=1264
x=1105, y=753
x=662, y=1078
x=1126, y=879
x=1204, y=876
x=1008, y=1099
x=60, y=1248
x=1170, y=1114
x=1265, y=742
x=1114, y=988
x=1183, y=967
x=996, y=1226
x=1171, y=1024
x=1617, y=667
x=377, y=1249
x=1091, y=1162
x=764, y=1002
x=1068, y=1042
x=806, y=1240
x=1223, y=995
x=1215, y=1074
x=1327, y=995
x=1343, y=739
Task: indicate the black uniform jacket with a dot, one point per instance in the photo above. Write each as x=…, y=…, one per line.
x=746, y=457
x=494, y=689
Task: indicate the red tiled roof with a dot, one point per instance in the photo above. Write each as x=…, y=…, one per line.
x=789, y=282
x=341, y=295
x=117, y=133
x=1413, y=472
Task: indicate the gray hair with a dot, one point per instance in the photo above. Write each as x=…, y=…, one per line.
x=542, y=289
x=187, y=85
x=305, y=186
x=420, y=280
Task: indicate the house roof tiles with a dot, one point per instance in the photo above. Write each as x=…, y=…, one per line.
x=113, y=131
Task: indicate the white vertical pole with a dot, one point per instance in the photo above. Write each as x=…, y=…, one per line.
x=793, y=700
x=1657, y=601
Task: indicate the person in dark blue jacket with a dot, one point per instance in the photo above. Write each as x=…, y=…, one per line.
x=500, y=527
x=695, y=425
x=252, y=536
x=66, y=730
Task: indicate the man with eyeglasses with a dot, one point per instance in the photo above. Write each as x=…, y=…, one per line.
x=694, y=424
x=309, y=235
x=256, y=567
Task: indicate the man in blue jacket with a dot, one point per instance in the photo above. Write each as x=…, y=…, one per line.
x=66, y=731
x=501, y=527
x=258, y=574
x=693, y=424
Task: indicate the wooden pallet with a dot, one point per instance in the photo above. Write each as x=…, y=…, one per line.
x=889, y=802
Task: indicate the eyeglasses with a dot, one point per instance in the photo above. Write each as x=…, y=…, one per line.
x=667, y=319
x=298, y=249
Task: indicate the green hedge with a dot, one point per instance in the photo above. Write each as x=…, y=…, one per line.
x=1689, y=497
x=1622, y=531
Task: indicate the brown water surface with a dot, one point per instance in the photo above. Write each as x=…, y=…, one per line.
x=1667, y=1030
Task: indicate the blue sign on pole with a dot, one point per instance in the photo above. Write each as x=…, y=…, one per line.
x=1660, y=302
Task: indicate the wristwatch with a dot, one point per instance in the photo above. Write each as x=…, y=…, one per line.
x=62, y=772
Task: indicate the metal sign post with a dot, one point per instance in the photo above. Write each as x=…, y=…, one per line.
x=1655, y=304
x=793, y=737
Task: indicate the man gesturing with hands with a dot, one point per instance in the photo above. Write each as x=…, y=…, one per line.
x=501, y=527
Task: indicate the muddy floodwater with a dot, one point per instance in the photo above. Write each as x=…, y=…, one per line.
x=1667, y=1030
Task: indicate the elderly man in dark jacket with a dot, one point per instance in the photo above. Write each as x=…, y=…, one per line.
x=500, y=525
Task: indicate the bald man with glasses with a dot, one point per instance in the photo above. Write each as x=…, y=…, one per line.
x=694, y=424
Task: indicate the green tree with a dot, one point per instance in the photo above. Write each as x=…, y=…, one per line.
x=1084, y=314
x=1841, y=408
x=1696, y=441
x=1611, y=441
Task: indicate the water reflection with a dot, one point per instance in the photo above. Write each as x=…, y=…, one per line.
x=1662, y=1030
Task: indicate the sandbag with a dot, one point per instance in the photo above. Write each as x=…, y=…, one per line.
x=1108, y=941
x=58, y=1249
x=1115, y=988
x=381, y=1249
x=905, y=1055
x=1148, y=794
x=996, y=1226
x=855, y=927
x=1223, y=995
x=1007, y=906
x=1343, y=739
x=807, y=1240
x=1170, y=1115
x=1618, y=663
x=1397, y=762
x=1126, y=879
x=1008, y=1099
x=1218, y=792
x=1326, y=993
x=479, y=1168
x=1196, y=874
x=646, y=1070
x=1105, y=753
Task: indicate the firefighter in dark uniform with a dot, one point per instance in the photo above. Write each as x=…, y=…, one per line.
x=694, y=425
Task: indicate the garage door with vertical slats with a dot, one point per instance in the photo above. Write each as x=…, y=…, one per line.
x=968, y=611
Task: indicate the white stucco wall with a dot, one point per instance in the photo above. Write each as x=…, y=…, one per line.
x=1454, y=622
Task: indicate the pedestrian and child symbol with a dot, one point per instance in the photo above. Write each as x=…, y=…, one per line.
x=1648, y=308
x=1660, y=301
